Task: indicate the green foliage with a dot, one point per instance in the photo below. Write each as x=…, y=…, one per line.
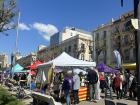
x=8, y=13
x=7, y=99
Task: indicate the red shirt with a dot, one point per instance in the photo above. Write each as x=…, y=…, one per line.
x=102, y=77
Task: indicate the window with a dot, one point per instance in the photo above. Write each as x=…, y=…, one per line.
x=127, y=25
x=126, y=42
x=97, y=36
x=65, y=49
x=75, y=47
x=82, y=47
x=90, y=57
x=105, y=56
x=127, y=54
x=117, y=29
x=134, y=53
x=82, y=57
x=104, y=34
x=69, y=49
x=90, y=49
x=71, y=34
x=97, y=39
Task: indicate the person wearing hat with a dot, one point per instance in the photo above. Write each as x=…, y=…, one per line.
x=76, y=86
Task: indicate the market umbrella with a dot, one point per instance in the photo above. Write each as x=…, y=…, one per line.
x=34, y=65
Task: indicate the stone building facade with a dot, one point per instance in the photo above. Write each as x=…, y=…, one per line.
x=4, y=61
x=116, y=35
x=75, y=42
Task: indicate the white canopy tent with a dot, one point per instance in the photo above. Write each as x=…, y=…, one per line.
x=66, y=60
x=63, y=60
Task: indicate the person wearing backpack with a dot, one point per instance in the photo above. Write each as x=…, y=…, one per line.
x=92, y=79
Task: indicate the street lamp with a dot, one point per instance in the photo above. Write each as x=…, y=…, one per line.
x=137, y=45
x=13, y=56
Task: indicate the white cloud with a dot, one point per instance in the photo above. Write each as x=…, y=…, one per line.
x=46, y=37
x=46, y=30
x=23, y=26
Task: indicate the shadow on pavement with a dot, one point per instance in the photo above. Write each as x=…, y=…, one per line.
x=108, y=102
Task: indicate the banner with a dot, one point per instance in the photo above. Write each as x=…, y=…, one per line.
x=118, y=58
x=44, y=77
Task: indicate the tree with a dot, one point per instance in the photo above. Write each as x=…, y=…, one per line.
x=7, y=99
x=8, y=13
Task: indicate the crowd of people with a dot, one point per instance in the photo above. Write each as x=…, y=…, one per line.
x=123, y=84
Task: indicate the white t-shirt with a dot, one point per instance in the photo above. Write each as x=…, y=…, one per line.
x=76, y=80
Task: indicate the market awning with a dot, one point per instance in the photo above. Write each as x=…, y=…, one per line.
x=104, y=68
x=19, y=69
x=66, y=60
x=130, y=66
x=34, y=65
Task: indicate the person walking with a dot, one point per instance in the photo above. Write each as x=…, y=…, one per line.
x=108, y=85
x=132, y=86
x=76, y=86
x=126, y=84
x=66, y=87
x=102, y=82
x=97, y=87
x=118, y=85
x=92, y=78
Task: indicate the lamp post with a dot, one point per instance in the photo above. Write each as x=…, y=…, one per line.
x=13, y=56
x=137, y=45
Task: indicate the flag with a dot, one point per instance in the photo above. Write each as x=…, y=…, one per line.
x=118, y=58
x=44, y=78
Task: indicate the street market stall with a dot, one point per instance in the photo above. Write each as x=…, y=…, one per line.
x=33, y=67
x=64, y=62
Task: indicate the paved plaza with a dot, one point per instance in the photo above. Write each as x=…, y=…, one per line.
x=103, y=101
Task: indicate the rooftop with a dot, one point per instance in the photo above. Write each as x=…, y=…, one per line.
x=79, y=30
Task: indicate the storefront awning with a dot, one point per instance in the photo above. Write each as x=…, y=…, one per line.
x=130, y=66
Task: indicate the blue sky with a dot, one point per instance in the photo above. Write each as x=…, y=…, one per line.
x=42, y=18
